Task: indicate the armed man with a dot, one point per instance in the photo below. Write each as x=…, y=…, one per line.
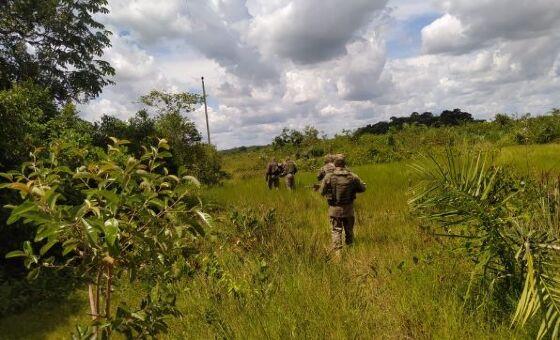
x=327, y=168
x=290, y=170
x=272, y=175
x=340, y=188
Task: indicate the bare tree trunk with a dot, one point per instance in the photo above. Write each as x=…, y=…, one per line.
x=108, y=297
x=94, y=303
x=97, y=303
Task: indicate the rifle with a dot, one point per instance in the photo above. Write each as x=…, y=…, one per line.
x=315, y=186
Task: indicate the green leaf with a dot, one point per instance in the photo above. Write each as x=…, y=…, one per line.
x=205, y=217
x=27, y=248
x=157, y=203
x=34, y=273
x=163, y=144
x=140, y=315
x=7, y=176
x=91, y=232
x=15, y=253
x=46, y=231
x=45, y=248
x=19, y=210
x=111, y=230
x=192, y=179
x=69, y=246
x=110, y=196
x=52, y=198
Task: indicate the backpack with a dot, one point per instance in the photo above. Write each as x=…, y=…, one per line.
x=343, y=188
x=290, y=168
x=274, y=169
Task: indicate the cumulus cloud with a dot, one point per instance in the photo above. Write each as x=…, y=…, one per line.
x=312, y=31
x=468, y=25
x=149, y=21
x=360, y=70
x=275, y=63
x=490, y=56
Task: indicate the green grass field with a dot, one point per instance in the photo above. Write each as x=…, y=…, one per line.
x=396, y=282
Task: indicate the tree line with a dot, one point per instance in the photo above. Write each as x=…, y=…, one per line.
x=446, y=118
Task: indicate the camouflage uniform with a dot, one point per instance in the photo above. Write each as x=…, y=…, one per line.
x=340, y=188
x=290, y=170
x=325, y=169
x=272, y=176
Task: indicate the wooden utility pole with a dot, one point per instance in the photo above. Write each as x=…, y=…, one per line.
x=206, y=111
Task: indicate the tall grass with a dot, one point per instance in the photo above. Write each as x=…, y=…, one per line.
x=396, y=282
x=265, y=271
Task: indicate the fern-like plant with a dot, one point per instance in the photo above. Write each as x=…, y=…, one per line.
x=508, y=226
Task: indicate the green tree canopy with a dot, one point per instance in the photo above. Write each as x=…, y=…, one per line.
x=55, y=43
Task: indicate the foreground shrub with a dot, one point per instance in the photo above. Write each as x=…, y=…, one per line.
x=109, y=220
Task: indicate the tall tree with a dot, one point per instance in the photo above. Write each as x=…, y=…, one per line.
x=55, y=43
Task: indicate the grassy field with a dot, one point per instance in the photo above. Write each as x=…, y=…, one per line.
x=266, y=271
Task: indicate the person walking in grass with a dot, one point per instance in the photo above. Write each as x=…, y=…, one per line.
x=327, y=168
x=273, y=172
x=290, y=170
x=340, y=188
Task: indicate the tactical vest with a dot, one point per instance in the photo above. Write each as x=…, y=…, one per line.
x=291, y=168
x=273, y=170
x=342, y=186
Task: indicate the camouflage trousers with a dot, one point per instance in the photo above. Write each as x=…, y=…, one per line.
x=290, y=181
x=340, y=224
x=273, y=183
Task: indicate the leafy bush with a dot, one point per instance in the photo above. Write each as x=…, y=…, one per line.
x=546, y=134
x=503, y=119
x=115, y=218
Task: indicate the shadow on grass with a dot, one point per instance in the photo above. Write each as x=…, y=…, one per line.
x=32, y=309
x=39, y=321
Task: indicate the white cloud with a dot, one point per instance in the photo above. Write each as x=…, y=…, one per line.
x=275, y=63
x=408, y=9
x=311, y=31
x=469, y=24
x=444, y=34
x=150, y=21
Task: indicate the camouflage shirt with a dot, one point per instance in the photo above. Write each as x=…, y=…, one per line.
x=326, y=189
x=273, y=170
x=326, y=169
x=290, y=168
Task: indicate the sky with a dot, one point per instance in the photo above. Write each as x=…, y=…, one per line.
x=332, y=64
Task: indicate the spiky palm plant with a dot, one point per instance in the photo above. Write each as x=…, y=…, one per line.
x=511, y=236
x=540, y=254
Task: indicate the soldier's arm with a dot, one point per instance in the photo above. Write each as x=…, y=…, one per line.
x=325, y=185
x=321, y=175
x=267, y=173
x=360, y=186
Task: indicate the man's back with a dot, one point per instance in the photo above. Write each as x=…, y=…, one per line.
x=340, y=188
x=272, y=169
x=290, y=167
